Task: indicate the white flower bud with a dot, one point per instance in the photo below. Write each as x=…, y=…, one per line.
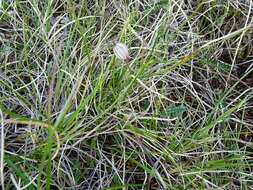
x=121, y=51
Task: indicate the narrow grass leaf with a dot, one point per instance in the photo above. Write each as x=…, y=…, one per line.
x=173, y=111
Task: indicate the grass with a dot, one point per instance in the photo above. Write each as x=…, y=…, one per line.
x=177, y=116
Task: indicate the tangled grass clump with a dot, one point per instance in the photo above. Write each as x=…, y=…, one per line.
x=178, y=115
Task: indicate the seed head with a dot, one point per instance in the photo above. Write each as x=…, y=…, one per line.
x=121, y=51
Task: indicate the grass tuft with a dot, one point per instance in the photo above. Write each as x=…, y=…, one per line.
x=178, y=115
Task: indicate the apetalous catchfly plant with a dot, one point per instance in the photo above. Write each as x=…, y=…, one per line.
x=121, y=51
